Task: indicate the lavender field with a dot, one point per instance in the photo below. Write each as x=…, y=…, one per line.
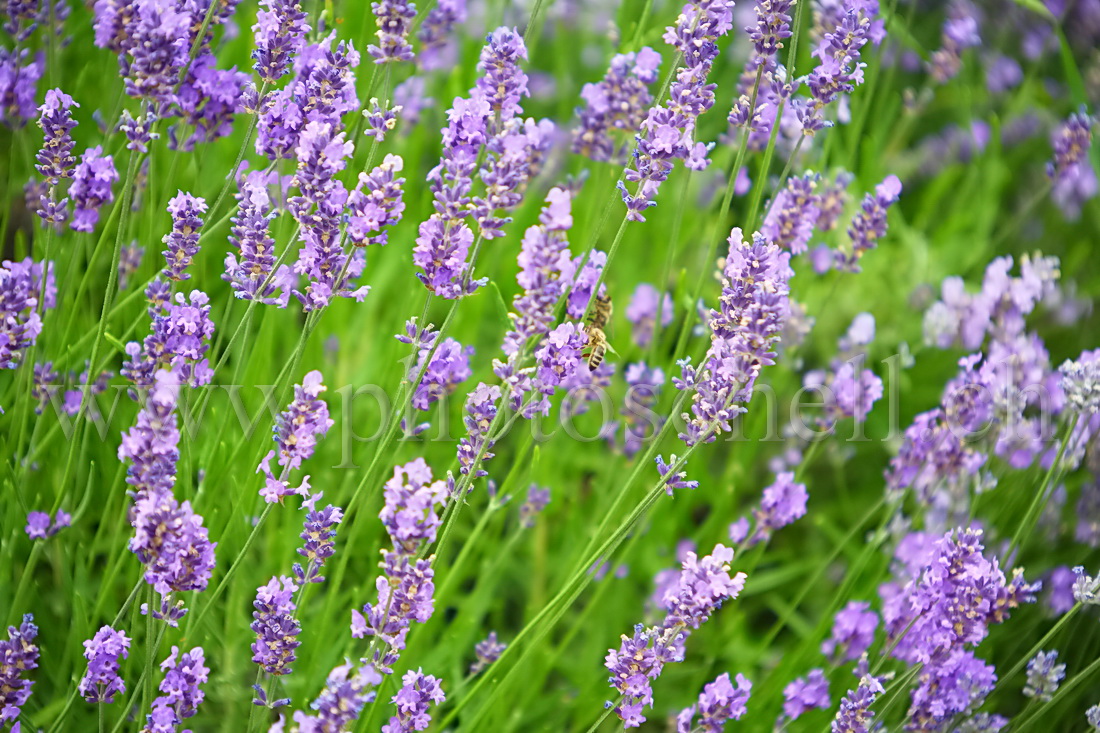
x=549, y=365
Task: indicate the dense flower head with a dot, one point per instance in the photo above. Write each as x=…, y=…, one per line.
x=171, y=542
x=318, y=543
x=947, y=688
x=412, y=501
x=20, y=320
x=394, y=19
x=448, y=368
x=560, y=355
x=305, y=420
x=705, y=583
x=502, y=82
x=855, y=714
x=418, y=693
x=152, y=445
x=752, y=310
x=255, y=276
x=180, y=690
x=346, y=691
x=487, y=651
x=806, y=693
x=853, y=632
x=155, y=43
x=405, y=594
x=698, y=26
x=639, y=659
x=1080, y=381
x=18, y=655
x=615, y=107
x=183, y=241
x=179, y=340
x=18, y=84
x=773, y=24
x=280, y=30
x=648, y=306
x=275, y=626
x=92, y=180
x=1044, y=675
x=103, y=651
x=480, y=412
x=719, y=702
x=437, y=44
x=55, y=160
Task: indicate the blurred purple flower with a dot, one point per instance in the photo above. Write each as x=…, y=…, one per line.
x=719, y=702
x=806, y=693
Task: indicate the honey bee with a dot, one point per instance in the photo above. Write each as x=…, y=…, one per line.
x=597, y=339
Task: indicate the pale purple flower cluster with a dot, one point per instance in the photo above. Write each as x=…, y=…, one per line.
x=92, y=180
x=55, y=160
x=180, y=337
x=418, y=693
x=793, y=214
x=954, y=686
x=275, y=626
x=449, y=367
x=437, y=44
x=41, y=527
x=183, y=241
x=855, y=714
x=171, y=542
x=668, y=132
x=318, y=536
x=1080, y=382
x=479, y=411
x=151, y=446
x=752, y=309
x=207, y=100
x=646, y=307
x=339, y=704
x=180, y=689
x=853, y=632
x=719, y=703
x=380, y=119
x=703, y=585
x=1044, y=676
x=297, y=430
x=280, y=31
x=18, y=655
x=394, y=19
x=412, y=499
x=20, y=321
x=487, y=651
x=18, y=83
x=869, y=223
x=103, y=651
x=615, y=107
x=960, y=32
x=806, y=693
x=1071, y=174
x=255, y=276
x=560, y=355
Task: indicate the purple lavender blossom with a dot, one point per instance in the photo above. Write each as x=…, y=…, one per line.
x=19, y=654
x=487, y=651
x=339, y=704
x=436, y=35
x=91, y=188
x=642, y=312
x=449, y=367
x=255, y=276
x=418, y=693
x=18, y=85
x=317, y=536
x=1086, y=589
x=55, y=160
x=280, y=30
x=138, y=130
x=41, y=527
x=103, y=651
x=1059, y=596
x=956, y=685
x=20, y=322
x=869, y=223
x=380, y=119
x=180, y=688
x=1044, y=676
x=179, y=340
x=275, y=626
x=671, y=481
x=502, y=83
x=412, y=498
x=806, y=693
x=855, y=714
x=207, y=100
x=480, y=413
x=394, y=19
x=792, y=215
x=151, y=446
x=155, y=36
x=537, y=499
x=719, y=702
x=559, y=356
x=171, y=542
x=960, y=32
x=297, y=430
x=853, y=632
x=405, y=594
x=183, y=241
x=615, y=107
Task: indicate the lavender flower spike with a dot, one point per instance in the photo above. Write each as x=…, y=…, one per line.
x=103, y=651
x=91, y=188
x=487, y=652
x=181, y=690
x=413, y=701
x=317, y=535
x=280, y=30
x=719, y=703
x=255, y=277
x=869, y=223
x=297, y=430
x=183, y=240
x=55, y=160
x=18, y=655
x=394, y=19
x=275, y=626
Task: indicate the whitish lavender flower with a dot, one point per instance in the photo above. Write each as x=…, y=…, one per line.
x=1092, y=717
x=18, y=655
x=543, y=259
x=181, y=694
x=380, y=119
x=615, y=107
x=1086, y=589
x=1080, y=381
x=417, y=694
x=853, y=631
x=537, y=499
x=183, y=241
x=138, y=131
x=129, y=262
x=339, y=704
x=642, y=312
x=103, y=651
x=151, y=446
x=1044, y=676
x=480, y=412
x=753, y=306
x=280, y=29
x=855, y=714
x=40, y=527
x=677, y=480
x=171, y=542
x=394, y=19
x=487, y=651
x=275, y=626
x=719, y=703
x=376, y=203
x=791, y=217
x=869, y=223
x=437, y=46
x=91, y=188
x=18, y=84
x=806, y=693
x=20, y=322
x=412, y=500
x=255, y=277
x=960, y=32
x=319, y=545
